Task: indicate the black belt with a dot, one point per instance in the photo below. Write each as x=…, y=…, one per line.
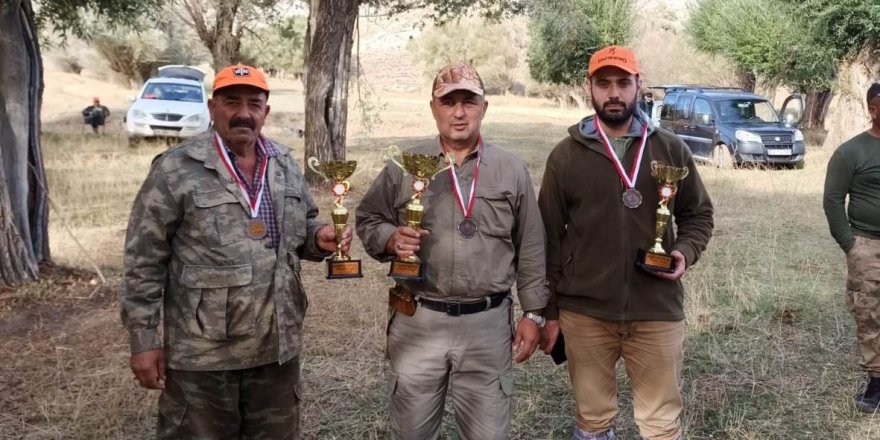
x=458, y=309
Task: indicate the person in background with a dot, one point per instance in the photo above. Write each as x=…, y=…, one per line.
x=96, y=115
x=854, y=174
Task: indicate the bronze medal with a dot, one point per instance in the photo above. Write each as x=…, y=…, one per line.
x=632, y=198
x=467, y=227
x=256, y=229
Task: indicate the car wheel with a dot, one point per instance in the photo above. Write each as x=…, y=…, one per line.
x=722, y=158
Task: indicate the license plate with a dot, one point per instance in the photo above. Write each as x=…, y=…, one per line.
x=169, y=133
x=783, y=152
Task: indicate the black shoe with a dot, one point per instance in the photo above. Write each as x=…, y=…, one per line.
x=869, y=401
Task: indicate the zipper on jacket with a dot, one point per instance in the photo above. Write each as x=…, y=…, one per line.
x=623, y=246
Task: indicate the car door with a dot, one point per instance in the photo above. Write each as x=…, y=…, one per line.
x=683, y=125
x=667, y=111
x=702, y=128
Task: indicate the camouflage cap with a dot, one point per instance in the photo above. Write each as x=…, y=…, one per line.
x=457, y=77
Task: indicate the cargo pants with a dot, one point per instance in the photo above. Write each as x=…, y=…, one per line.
x=863, y=299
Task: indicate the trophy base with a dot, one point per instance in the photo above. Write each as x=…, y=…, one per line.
x=654, y=262
x=343, y=269
x=406, y=270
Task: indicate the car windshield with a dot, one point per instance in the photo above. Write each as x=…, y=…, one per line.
x=747, y=110
x=172, y=92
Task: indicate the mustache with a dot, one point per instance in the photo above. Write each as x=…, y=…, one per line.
x=243, y=122
x=613, y=102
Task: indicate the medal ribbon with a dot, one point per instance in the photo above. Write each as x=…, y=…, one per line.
x=629, y=181
x=254, y=204
x=466, y=210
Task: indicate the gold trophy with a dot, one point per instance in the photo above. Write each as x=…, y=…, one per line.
x=339, y=265
x=423, y=168
x=656, y=259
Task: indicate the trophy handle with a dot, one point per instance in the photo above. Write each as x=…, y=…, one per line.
x=314, y=164
x=450, y=161
x=394, y=151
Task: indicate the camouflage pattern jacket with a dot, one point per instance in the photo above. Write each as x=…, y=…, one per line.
x=229, y=302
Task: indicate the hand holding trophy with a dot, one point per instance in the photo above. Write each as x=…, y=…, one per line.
x=423, y=168
x=338, y=171
x=656, y=259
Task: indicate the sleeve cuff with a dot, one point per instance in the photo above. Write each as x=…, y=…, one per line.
x=383, y=234
x=144, y=340
x=690, y=257
x=532, y=299
x=312, y=248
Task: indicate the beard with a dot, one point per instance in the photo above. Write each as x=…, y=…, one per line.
x=617, y=119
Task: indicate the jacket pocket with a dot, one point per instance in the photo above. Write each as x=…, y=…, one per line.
x=294, y=222
x=494, y=212
x=295, y=300
x=225, y=308
x=219, y=212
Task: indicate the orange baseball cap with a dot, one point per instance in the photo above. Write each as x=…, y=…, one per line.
x=240, y=75
x=614, y=56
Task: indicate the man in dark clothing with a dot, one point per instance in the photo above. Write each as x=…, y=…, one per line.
x=647, y=104
x=854, y=171
x=598, y=211
x=95, y=114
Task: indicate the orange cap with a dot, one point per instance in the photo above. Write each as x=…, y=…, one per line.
x=240, y=75
x=614, y=56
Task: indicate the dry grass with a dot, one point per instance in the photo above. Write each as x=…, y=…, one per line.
x=770, y=352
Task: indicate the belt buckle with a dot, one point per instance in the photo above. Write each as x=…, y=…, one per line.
x=453, y=309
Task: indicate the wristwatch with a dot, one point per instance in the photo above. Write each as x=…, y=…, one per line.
x=537, y=318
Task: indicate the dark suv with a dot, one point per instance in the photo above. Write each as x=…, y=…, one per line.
x=727, y=126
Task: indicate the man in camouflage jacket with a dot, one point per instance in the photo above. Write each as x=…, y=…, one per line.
x=214, y=242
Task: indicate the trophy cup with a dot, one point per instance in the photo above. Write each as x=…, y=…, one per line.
x=656, y=259
x=423, y=168
x=339, y=265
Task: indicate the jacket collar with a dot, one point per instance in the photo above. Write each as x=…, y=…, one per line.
x=587, y=126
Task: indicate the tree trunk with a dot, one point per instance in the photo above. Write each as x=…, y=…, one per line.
x=816, y=108
x=329, y=64
x=219, y=36
x=226, y=48
x=746, y=79
x=23, y=204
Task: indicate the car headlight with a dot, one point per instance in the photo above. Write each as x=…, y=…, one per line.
x=747, y=136
x=193, y=118
x=137, y=114
x=798, y=136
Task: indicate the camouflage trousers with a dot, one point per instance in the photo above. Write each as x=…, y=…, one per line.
x=255, y=403
x=863, y=299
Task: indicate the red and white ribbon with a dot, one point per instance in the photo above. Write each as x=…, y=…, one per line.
x=253, y=205
x=628, y=180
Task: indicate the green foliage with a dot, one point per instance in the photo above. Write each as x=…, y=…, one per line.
x=847, y=25
x=71, y=16
x=279, y=46
x=444, y=11
x=496, y=58
x=565, y=33
x=800, y=44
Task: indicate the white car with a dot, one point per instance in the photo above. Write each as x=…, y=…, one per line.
x=173, y=105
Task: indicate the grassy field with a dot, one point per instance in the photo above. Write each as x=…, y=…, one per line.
x=770, y=349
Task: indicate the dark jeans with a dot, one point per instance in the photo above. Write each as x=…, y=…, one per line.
x=256, y=403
